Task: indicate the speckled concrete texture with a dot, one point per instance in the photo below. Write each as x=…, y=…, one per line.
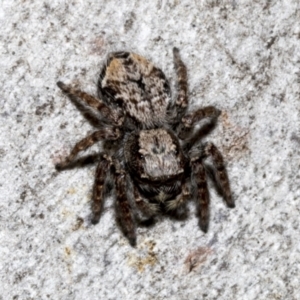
x=243, y=57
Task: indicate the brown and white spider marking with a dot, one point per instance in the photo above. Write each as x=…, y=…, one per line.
x=152, y=153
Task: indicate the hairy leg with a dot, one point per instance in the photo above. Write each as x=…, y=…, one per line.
x=189, y=120
x=182, y=86
x=193, y=139
x=202, y=193
x=102, y=172
x=220, y=173
x=114, y=116
x=105, y=133
x=180, y=200
x=147, y=210
x=123, y=208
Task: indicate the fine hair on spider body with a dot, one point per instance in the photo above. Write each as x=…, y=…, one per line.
x=152, y=155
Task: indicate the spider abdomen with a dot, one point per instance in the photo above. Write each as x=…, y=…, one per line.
x=134, y=83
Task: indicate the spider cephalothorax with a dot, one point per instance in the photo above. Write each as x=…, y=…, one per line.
x=152, y=154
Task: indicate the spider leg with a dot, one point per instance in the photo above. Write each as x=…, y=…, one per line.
x=204, y=130
x=202, y=193
x=146, y=209
x=105, y=133
x=123, y=208
x=99, y=190
x=113, y=115
x=220, y=173
x=180, y=199
x=177, y=208
x=182, y=86
x=189, y=120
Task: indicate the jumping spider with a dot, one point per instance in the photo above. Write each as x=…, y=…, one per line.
x=152, y=154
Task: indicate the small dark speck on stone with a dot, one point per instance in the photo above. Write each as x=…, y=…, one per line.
x=63, y=125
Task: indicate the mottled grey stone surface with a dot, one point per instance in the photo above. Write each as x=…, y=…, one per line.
x=243, y=57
